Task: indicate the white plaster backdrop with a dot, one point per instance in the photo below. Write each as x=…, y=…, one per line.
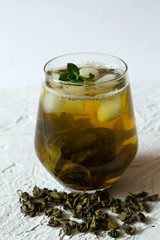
x=34, y=31
x=31, y=33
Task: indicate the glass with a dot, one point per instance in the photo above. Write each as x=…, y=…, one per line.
x=86, y=133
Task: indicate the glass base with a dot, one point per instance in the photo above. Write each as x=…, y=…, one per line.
x=87, y=191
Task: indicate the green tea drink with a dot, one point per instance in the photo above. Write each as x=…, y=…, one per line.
x=86, y=133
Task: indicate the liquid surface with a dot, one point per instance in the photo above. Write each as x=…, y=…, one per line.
x=86, y=140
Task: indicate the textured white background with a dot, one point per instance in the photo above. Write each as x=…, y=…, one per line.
x=33, y=32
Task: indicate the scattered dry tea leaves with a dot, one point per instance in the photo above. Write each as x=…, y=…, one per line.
x=91, y=208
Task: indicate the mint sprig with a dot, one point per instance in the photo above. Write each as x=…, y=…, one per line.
x=91, y=77
x=73, y=75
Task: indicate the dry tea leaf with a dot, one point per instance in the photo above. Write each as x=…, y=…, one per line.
x=91, y=208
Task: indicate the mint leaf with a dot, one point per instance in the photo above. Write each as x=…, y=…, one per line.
x=72, y=68
x=64, y=76
x=91, y=77
x=80, y=80
x=73, y=76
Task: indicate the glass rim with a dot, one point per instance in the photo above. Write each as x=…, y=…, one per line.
x=94, y=83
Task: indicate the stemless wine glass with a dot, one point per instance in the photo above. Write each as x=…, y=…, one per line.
x=86, y=132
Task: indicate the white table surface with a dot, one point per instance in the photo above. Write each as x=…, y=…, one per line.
x=21, y=169
x=32, y=32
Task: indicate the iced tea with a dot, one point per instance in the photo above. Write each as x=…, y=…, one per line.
x=86, y=133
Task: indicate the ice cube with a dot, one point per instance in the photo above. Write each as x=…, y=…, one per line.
x=54, y=82
x=109, y=109
x=74, y=106
x=107, y=77
x=85, y=71
x=52, y=104
x=55, y=76
x=106, y=80
x=75, y=90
